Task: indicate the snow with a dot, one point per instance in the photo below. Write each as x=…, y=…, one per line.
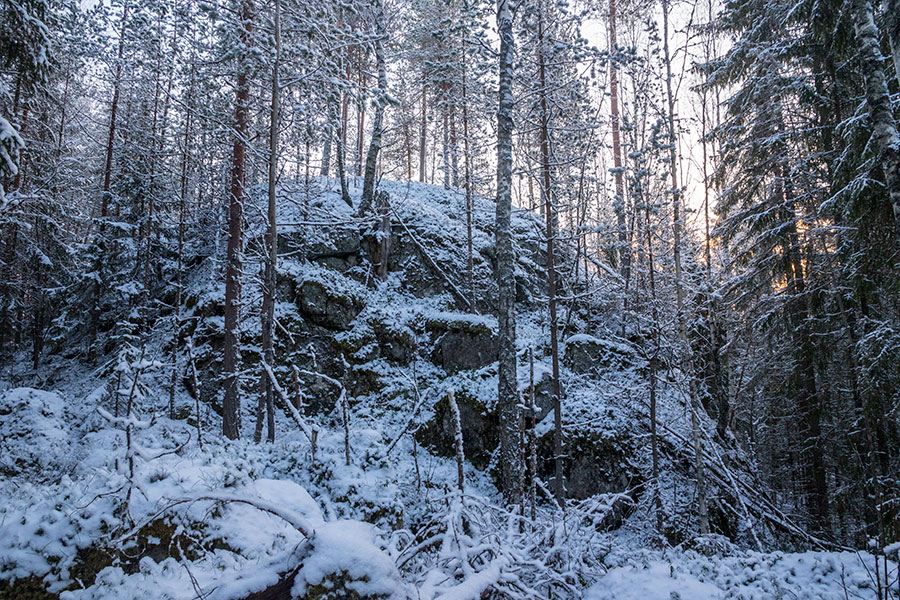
x=348, y=548
x=812, y=575
x=10, y=143
x=34, y=431
x=255, y=512
x=656, y=581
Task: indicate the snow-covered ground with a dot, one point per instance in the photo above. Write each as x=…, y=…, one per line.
x=229, y=518
x=676, y=575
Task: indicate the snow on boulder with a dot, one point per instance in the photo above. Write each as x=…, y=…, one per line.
x=586, y=353
x=480, y=429
x=464, y=341
x=323, y=296
x=34, y=433
x=255, y=532
x=344, y=562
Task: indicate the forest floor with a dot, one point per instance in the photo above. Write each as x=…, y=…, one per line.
x=180, y=536
x=84, y=514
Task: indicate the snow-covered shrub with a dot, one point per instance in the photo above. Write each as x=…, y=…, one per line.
x=35, y=434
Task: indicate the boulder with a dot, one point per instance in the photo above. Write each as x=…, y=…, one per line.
x=596, y=464
x=336, y=247
x=326, y=306
x=543, y=389
x=480, y=428
x=586, y=354
x=463, y=341
x=396, y=342
x=35, y=433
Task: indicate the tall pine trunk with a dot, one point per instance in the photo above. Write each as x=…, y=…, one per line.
x=507, y=396
x=470, y=261
x=231, y=405
x=179, y=273
x=423, y=133
x=892, y=20
x=550, y=214
x=268, y=321
x=107, y=181
x=114, y=107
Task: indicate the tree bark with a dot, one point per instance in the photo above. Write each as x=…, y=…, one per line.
x=688, y=362
x=618, y=171
x=470, y=261
x=506, y=283
x=809, y=401
x=445, y=137
x=182, y=201
x=231, y=405
x=361, y=110
x=884, y=125
x=326, y=150
x=268, y=330
x=340, y=138
x=892, y=20
x=550, y=214
x=380, y=101
x=114, y=107
x=654, y=364
x=423, y=133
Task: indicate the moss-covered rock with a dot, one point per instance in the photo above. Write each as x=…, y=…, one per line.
x=587, y=354
x=596, y=464
x=25, y=588
x=462, y=341
x=480, y=428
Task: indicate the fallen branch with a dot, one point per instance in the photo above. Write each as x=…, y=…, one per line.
x=298, y=418
x=298, y=522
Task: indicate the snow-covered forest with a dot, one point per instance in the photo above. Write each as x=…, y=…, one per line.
x=450, y=299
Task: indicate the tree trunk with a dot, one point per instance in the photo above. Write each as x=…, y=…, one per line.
x=326, y=150
x=884, y=125
x=340, y=139
x=380, y=101
x=423, y=133
x=231, y=405
x=445, y=119
x=185, y=154
x=361, y=110
x=618, y=171
x=107, y=181
x=550, y=214
x=454, y=143
x=114, y=106
x=688, y=362
x=268, y=329
x=470, y=261
x=507, y=397
x=809, y=401
x=892, y=21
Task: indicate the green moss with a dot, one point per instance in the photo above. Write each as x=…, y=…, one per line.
x=88, y=562
x=335, y=587
x=461, y=322
x=25, y=588
x=158, y=540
